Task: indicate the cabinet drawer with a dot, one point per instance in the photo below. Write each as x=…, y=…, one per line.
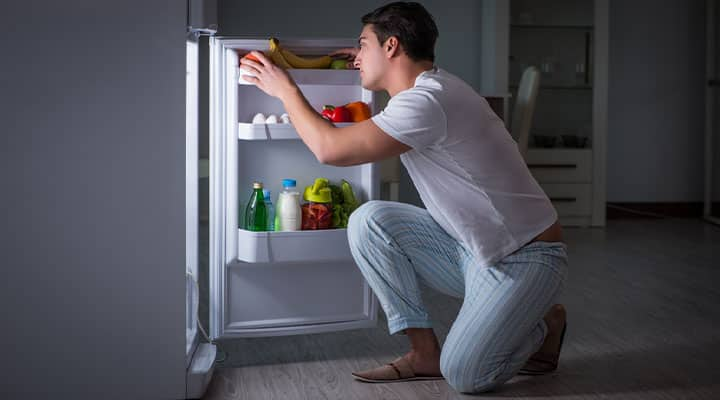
x=570, y=199
x=560, y=165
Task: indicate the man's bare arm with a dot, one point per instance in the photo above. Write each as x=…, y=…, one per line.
x=351, y=145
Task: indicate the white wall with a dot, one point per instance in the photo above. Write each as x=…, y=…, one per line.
x=93, y=199
x=494, y=46
x=656, y=101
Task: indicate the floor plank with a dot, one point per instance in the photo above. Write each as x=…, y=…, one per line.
x=643, y=300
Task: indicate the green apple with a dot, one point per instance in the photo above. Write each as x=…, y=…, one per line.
x=338, y=64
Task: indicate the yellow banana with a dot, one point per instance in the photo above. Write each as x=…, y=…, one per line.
x=276, y=56
x=301, y=62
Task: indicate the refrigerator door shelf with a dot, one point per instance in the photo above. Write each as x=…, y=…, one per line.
x=249, y=131
x=335, y=77
x=269, y=299
x=297, y=246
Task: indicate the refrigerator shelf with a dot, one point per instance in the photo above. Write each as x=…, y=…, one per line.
x=344, y=77
x=249, y=131
x=297, y=246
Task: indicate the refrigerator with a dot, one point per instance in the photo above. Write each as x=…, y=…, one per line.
x=278, y=283
x=267, y=283
x=101, y=185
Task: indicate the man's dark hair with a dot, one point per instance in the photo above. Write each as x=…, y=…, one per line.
x=410, y=23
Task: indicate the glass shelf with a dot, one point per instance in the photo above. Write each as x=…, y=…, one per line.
x=250, y=131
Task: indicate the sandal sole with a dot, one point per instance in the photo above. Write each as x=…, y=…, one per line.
x=415, y=378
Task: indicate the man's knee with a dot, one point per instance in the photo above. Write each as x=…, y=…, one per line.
x=469, y=376
x=359, y=221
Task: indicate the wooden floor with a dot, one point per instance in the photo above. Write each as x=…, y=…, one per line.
x=643, y=303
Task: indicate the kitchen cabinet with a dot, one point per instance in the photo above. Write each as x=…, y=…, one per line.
x=567, y=41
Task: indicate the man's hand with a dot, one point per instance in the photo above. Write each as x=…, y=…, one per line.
x=270, y=78
x=348, y=53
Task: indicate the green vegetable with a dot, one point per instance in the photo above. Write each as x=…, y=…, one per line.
x=349, y=196
x=337, y=195
x=337, y=215
x=344, y=203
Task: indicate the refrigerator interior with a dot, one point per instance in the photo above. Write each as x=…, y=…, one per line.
x=279, y=283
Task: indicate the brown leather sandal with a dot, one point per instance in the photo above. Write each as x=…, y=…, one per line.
x=399, y=370
x=543, y=363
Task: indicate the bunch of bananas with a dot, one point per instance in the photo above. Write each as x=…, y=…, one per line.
x=287, y=59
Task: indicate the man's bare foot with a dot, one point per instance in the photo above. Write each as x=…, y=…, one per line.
x=555, y=321
x=545, y=360
x=425, y=364
x=424, y=355
x=420, y=363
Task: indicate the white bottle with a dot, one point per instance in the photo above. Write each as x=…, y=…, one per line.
x=288, y=215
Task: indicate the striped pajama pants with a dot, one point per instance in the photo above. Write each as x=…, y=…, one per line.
x=499, y=326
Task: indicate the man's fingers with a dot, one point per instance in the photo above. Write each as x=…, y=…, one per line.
x=261, y=56
x=250, y=78
x=255, y=81
x=250, y=65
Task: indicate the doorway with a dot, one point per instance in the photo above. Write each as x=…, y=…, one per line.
x=711, y=209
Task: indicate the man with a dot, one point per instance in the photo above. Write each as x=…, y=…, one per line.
x=489, y=234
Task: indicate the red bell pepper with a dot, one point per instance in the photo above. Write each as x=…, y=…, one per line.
x=336, y=114
x=316, y=216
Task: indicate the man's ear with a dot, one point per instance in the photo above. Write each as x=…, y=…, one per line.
x=391, y=47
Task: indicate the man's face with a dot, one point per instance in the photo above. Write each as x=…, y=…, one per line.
x=371, y=60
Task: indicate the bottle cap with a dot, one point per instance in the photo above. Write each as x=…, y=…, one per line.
x=257, y=185
x=266, y=193
x=289, y=183
x=319, y=192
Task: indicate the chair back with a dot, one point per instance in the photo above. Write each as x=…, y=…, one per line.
x=524, y=108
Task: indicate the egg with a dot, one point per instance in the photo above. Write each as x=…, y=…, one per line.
x=259, y=118
x=272, y=119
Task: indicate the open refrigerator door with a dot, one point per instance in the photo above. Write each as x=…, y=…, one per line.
x=279, y=283
x=199, y=357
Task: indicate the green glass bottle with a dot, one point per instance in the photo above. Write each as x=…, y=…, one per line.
x=256, y=212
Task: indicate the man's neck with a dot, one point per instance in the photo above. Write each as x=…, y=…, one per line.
x=403, y=77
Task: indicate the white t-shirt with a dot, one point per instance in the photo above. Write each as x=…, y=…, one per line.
x=466, y=166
